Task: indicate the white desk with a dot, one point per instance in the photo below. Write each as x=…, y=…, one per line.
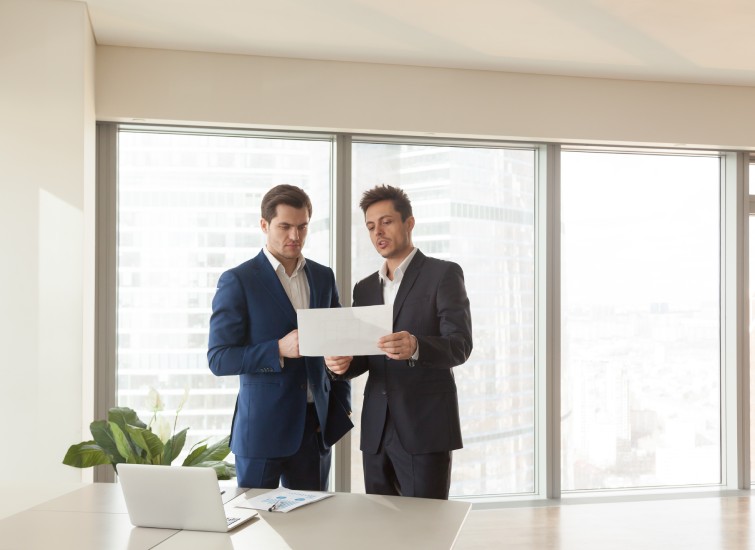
x=95, y=518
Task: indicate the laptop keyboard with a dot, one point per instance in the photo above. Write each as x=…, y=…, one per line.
x=231, y=521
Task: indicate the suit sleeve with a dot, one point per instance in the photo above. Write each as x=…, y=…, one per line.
x=229, y=351
x=359, y=365
x=453, y=345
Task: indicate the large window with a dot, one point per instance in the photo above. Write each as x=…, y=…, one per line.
x=474, y=206
x=635, y=346
x=188, y=209
x=640, y=349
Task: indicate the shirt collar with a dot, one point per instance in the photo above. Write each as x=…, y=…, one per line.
x=276, y=264
x=398, y=273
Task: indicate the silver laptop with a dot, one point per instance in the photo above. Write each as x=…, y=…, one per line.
x=177, y=497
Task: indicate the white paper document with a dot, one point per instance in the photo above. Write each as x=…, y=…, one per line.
x=280, y=500
x=343, y=331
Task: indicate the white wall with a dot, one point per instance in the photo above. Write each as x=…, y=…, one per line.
x=46, y=173
x=235, y=90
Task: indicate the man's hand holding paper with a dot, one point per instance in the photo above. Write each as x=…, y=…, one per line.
x=338, y=364
x=343, y=332
x=399, y=345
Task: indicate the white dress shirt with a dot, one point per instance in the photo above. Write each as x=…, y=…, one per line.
x=296, y=287
x=390, y=287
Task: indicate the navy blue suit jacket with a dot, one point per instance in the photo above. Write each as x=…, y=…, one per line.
x=250, y=313
x=431, y=304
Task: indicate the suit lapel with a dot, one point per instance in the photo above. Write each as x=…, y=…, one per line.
x=373, y=291
x=407, y=282
x=313, y=290
x=268, y=279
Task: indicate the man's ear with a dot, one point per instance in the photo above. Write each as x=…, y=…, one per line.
x=410, y=223
x=264, y=225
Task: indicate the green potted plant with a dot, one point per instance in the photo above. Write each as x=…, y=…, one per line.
x=123, y=437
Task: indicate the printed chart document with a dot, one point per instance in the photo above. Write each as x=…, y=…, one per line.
x=281, y=500
x=343, y=331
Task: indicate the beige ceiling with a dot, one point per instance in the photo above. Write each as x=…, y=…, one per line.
x=705, y=41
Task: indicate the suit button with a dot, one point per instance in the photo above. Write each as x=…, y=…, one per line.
x=384, y=392
x=303, y=386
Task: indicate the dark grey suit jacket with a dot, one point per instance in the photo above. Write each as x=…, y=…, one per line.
x=431, y=304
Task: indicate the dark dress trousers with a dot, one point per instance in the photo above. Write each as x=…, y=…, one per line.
x=420, y=396
x=250, y=313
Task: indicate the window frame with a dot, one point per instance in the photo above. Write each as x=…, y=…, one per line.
x=736, y=207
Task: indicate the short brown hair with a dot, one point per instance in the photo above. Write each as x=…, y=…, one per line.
x=284, y=194
x=400, y=200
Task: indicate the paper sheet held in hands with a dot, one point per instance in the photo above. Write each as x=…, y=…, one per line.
x=343, y=331
x=280, y=500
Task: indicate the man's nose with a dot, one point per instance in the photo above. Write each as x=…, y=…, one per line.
x=294, y=234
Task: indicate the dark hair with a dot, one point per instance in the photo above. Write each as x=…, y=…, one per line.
x=284, y=194
x=400, y=200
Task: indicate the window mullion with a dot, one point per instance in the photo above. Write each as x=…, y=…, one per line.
x=105, y=279
x=341, y=262
x=548, y=399
x=735, y=322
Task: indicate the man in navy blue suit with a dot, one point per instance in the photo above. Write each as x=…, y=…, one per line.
x=288, y=411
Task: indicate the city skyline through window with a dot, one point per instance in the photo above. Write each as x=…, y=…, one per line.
x=189, y=209
x=474, y=206
x=640, y=362
x=640, y=347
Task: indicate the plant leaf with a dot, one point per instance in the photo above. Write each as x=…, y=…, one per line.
x=103, y=436
x=223, y=470
x=198, y=448
x=174, y=446
x=147, y=441
x=155, y=446
x=229, y=471
x=122, y=443
x=138, y=439
x=217, y=451
x=85, y=455
x=124, y=416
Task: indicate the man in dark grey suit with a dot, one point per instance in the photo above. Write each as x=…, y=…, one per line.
x=410, y=417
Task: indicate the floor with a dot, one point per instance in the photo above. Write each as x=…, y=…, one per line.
x=704, y=523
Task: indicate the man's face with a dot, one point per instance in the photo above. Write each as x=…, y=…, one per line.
x=390, y=236
x=286, y=232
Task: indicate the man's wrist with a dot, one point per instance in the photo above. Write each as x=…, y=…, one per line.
x=415, y=353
